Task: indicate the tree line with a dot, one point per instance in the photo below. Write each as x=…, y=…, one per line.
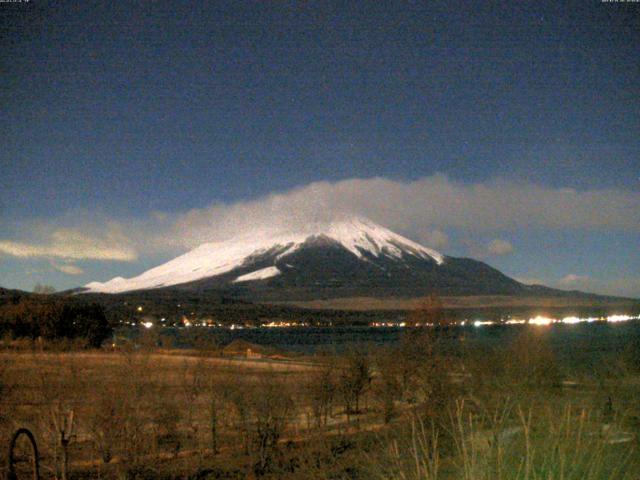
x=54, y=318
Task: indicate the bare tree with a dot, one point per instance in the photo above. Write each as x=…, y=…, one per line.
x=215, y=400
x=320, y=391
x=390, y=378
x=203, y=340
x=133, y=383
x=193, y=385
x=355, y=378
x=103, y=421
x=166, y=418
x=58, y=418
x=63, y=426
x=261, y=411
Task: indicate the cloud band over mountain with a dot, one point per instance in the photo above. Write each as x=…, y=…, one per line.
x=416, y=208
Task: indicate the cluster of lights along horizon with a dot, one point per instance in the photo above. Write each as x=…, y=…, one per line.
x=538, y=320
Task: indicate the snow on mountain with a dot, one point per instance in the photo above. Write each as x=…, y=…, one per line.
x=357, y=235
x=258, y=275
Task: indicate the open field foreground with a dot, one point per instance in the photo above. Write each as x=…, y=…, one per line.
x=417, y=409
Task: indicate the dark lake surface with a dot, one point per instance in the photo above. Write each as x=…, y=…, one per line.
x=583, y=342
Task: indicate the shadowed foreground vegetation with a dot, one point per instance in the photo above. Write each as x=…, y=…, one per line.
x=427, y=407
x=54, y=319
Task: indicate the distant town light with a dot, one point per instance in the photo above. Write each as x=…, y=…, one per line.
x=147, y=324
x=539, y=320
x=480, y=323
x=139, y=308
x=571, y=320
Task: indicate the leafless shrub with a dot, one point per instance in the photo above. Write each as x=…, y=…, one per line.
x=103, y=420
x=121, y=420
x=149, y=338
x=261, y=412
x=631, y=354
x=63, y=426
x=320, y=391
x=193, y=386
x=134, y=415
x=420, y=368
x=389, y=382
x=5, y=387
x=58, y=390
x=203, y=341
x=423, y=359
x=166, y=417
x=215, y=404
x=355, y=378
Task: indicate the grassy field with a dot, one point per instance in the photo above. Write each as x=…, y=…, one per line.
x=412, y=410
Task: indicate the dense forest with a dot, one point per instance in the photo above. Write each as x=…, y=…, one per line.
x=52, y=318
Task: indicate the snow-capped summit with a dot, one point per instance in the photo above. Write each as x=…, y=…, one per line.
x=359, y=235
x=264, y=255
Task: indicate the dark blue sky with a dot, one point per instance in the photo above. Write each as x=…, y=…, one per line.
x=128, y=108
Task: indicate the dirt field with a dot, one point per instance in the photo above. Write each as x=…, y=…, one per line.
x=388, y=413
x=132, y=409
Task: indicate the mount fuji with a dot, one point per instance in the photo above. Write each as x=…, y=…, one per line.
x=344, y=258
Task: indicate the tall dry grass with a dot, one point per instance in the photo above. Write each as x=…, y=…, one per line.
x=521, y=444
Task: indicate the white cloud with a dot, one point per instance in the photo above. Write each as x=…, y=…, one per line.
x=69, y=269
x=573, y=280
x=422, y=209
x=499, y=247
x=73, y=244
x=412, y=207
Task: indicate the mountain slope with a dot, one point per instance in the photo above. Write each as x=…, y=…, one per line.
x=361, y=238
x=345, y=258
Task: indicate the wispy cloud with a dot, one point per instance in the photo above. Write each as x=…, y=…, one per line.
x=572, y=280
x=427, y=210
x=499, y=247
x=482, y=250
x=72, y=244
x=432, y=203
x=67, y=268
